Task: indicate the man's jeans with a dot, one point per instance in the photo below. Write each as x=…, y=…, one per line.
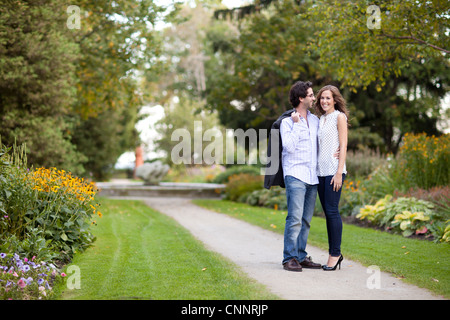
x=301, y=199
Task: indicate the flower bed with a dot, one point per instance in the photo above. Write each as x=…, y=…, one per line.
x=45, y=217
x=26, y=279
x=407, y=194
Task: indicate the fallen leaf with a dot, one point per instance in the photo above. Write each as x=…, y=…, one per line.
x=435, y=280
x=203, y=269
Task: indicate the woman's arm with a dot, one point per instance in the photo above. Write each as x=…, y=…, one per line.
x=342, y=132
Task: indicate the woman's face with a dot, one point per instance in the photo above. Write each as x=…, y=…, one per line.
x=327, y=101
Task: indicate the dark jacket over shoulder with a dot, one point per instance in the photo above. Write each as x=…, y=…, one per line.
x=274, y=169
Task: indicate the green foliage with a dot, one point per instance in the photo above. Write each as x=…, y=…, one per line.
x=407, y=216
x=376, y=212
x=76, y=88
x=37, y=79
x=423, y=161
x=182, y=116
x=103, y=138
x=237, y=169
x=258, y=64
x=392, y=85
x=367, y=53
x=274, y=198
x=44, y=212
x=363, y=162
x=240, y=185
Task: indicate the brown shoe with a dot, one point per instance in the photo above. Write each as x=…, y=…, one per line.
x=307, y=263
x=292, y=265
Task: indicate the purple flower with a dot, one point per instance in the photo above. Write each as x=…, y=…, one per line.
x=40, y=281
x=26, y=268
x=2, y=255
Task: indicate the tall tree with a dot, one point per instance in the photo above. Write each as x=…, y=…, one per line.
x=250, y=74
x=393, y=60
x=119, y=47
x=72, y=72
x=393, y=77
x=37, y=81
x=376, y=40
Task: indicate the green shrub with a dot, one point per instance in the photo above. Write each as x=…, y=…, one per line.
x=240, y=185
x=439, y=196
x=234, y=170
x=407, y=216
x=274, y=198
x=362, y=163
x=423, y=161
x=44, y=212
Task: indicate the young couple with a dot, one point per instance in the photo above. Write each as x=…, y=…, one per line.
x=313, y=161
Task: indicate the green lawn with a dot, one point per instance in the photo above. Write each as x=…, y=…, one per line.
x=420, y=262
x=140, y=253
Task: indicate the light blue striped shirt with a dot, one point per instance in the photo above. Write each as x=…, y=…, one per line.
x=299, y=155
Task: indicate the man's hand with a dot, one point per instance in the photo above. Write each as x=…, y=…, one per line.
x=338, y=151
x=295, y=116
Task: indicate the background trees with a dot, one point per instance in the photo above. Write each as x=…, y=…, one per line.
x=392, y=57
x=73, y=94
x=37, y=81
x=394, y=78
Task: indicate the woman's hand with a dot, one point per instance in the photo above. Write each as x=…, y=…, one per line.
x=336, y=181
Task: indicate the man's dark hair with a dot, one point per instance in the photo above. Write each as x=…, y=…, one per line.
x=298, y=90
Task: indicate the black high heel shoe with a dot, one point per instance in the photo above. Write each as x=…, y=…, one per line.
x=327, y=268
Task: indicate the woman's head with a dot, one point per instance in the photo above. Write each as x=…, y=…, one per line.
x=327, y=94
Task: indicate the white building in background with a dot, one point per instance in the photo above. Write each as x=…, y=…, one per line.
x=148, y=134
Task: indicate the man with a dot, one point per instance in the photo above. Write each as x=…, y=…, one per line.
x=299, y=161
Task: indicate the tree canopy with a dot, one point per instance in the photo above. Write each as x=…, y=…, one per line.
x=73, y=77
x=70, y=79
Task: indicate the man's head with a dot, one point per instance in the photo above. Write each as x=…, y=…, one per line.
x=301, y=92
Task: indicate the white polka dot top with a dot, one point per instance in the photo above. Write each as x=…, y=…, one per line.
x=328, y=137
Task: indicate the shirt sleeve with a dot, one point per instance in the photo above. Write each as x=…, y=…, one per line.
x=289, y=135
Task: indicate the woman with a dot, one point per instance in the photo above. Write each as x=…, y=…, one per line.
x=332, y=134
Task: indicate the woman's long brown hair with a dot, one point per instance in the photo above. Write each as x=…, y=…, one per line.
x=340, y=105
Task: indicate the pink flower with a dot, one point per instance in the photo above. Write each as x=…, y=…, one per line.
x=15, y=274
x=32, y=259
x=21, y=283
x=25, y=260
x=63, y=274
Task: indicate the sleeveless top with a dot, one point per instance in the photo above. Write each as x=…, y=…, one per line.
x=328, y=137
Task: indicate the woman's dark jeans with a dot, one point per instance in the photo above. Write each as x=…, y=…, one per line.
x=330, y=203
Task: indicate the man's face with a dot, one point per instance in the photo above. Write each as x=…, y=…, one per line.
x=309, y=99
